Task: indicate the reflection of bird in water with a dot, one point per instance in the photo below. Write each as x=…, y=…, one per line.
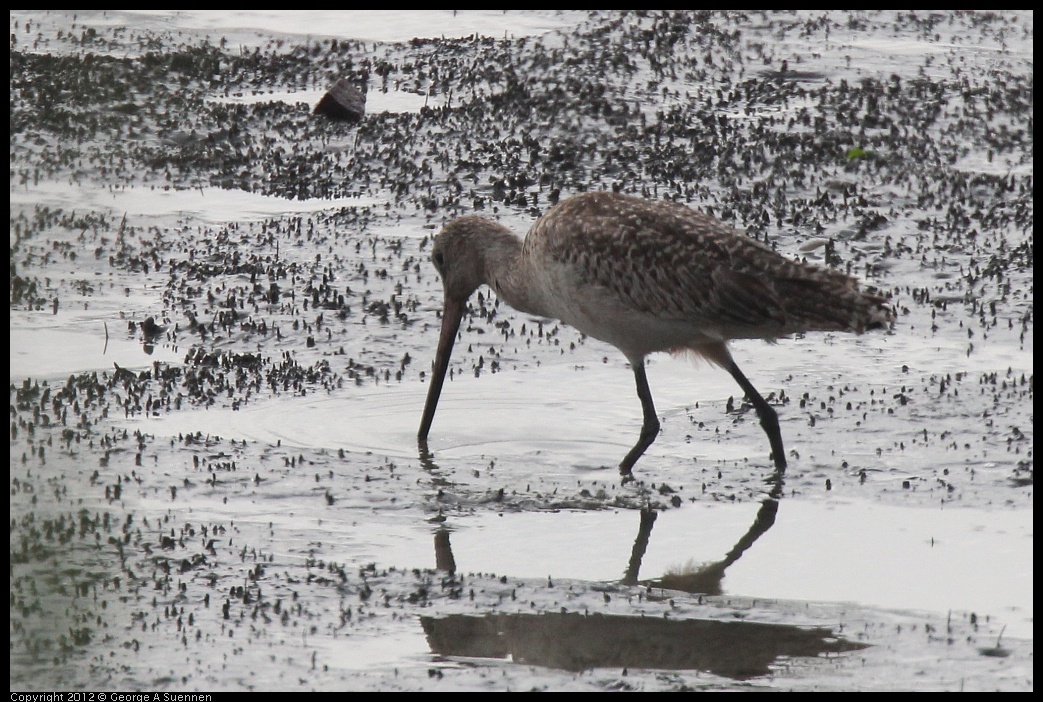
x=645, y=276
x=706, y=577
x=738, y=647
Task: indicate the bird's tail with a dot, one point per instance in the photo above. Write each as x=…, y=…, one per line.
x=834, y=302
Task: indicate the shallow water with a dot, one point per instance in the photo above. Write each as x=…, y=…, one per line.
x=231, y=506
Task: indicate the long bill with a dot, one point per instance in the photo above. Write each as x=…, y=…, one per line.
x=451, y=316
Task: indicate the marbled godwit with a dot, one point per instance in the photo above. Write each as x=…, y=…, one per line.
x=645, y=276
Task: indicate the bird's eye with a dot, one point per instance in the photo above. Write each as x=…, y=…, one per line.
x=439, y=259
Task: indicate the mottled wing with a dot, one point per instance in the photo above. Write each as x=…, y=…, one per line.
x=664, y=259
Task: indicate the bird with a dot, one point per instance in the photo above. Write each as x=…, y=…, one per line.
x=150, y=329
x=645, y=275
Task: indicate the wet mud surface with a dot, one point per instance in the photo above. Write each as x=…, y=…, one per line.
x=223, y=315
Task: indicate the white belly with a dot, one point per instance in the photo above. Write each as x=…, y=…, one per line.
x=598, y=313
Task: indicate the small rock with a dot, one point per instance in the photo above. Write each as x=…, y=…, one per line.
x=343, y=102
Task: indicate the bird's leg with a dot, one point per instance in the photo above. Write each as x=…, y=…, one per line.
x=769, y=418
x=650, y=426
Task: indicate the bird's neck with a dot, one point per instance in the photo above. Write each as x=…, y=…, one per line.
x=505, y=273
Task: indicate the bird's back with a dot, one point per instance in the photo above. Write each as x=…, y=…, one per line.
x=671, y=263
